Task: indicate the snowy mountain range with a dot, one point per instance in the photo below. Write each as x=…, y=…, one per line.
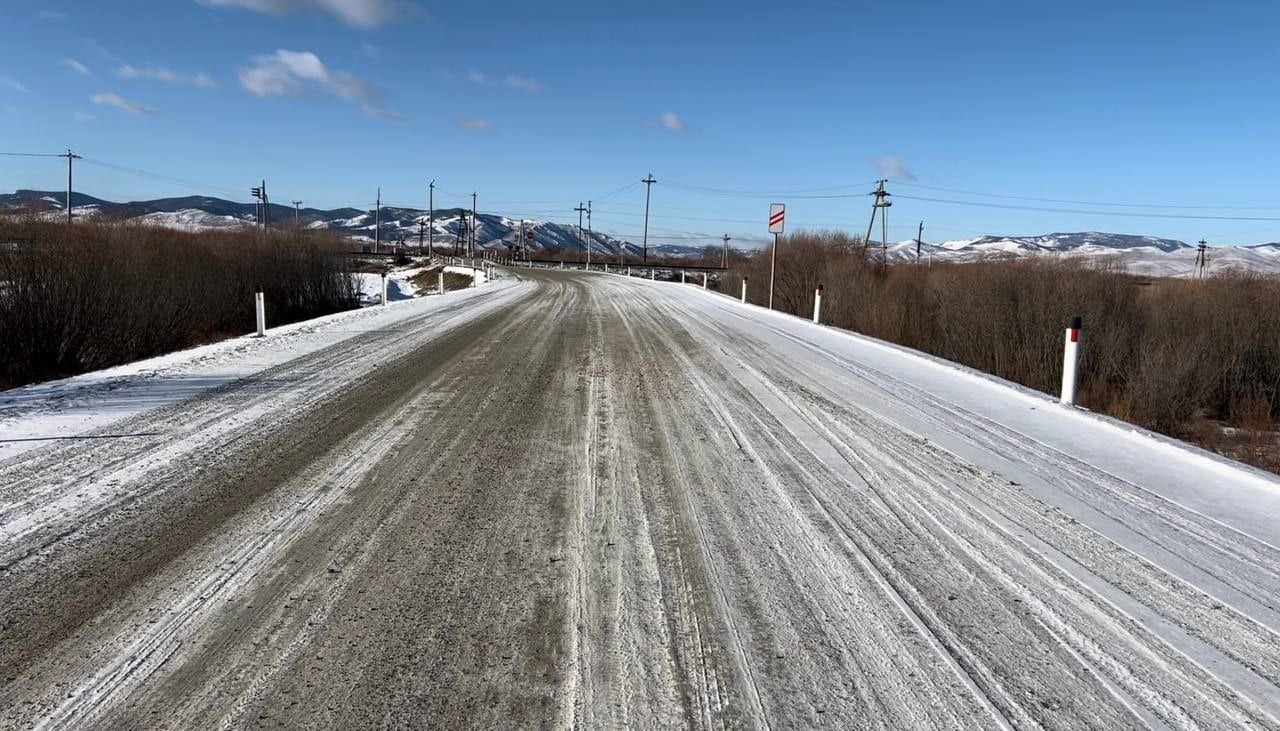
x=1145, y=255
x=195, y=213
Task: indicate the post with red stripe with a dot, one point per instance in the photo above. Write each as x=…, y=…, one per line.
x=817, y=305
x=777, y=217
x=1070, y=361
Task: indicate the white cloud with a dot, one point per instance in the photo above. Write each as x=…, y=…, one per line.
x=524, y=83
x=169, y=76
x=119, y=102
x=892, y=168
x=473, y=124
x=77, y=67
x=11, y=85
x=288, y=73
x=671, y=121
x=357, y=13
x=51, y=15
x=85, y=117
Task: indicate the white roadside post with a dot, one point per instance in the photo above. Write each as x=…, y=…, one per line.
x=705, y=275
x=440, y=280
x=260, y=307
x=744, y=290
x=682, y=276
x=652, y=276
x=606, y=267
x=1070, y=361
x=384, y=289
x=817, y=305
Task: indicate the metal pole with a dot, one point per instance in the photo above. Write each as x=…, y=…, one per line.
x=590, y=234
x=724, y=256
x=472, y=249
x=377, y=222
x=431, y=216
x=773, y=268
x=297, y=213
x=648, y=188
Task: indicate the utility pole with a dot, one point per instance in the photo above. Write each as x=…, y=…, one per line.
x=590, y=234
x=70, y=157
x=1202, y=259
x=881, y=204
x=919, y=239
x=648, y=187
x=259, y=197
x=297, y=213
x=431, y=216
x=581, y=209
x=377, y=222
x=724, y=257
x=422, y=225
x=473, y=225
x=266, y=207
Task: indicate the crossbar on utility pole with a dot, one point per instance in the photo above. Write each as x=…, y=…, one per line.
x=648, y=188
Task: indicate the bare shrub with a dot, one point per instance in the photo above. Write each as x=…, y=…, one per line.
x=93, y=295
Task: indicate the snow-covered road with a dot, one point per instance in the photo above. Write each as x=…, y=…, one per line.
x=584, y=500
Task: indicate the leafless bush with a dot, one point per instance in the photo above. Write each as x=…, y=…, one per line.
x=89, y=296
x=1166, y=354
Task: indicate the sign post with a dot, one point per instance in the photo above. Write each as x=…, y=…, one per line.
x=777, y=216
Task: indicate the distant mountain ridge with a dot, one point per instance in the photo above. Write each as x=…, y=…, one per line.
x=206, y=212
x=1147, y=255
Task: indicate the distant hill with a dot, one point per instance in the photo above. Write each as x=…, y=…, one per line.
x=194, y=213
x=1146, y=255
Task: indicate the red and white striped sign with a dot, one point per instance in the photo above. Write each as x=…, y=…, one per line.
x=777, y=214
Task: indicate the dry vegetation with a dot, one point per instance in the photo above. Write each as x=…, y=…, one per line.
x=1182, y=357
x=428, y=280
x=93, y=295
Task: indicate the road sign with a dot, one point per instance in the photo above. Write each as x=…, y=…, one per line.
x=529, y=235
x=777, y=214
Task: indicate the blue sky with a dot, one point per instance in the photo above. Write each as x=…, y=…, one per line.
x=730, y=105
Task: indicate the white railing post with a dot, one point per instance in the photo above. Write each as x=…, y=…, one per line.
x=682, y=276
x=652, y=276
x=384, y=289
x=705, y=276
x=744, y=290
x=817, y=305
x=260, y=309
x=1070, y=361
x=440, y=279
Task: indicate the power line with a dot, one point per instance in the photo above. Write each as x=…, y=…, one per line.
x=1088, y=203
x=32, y=154
x=1129, y=214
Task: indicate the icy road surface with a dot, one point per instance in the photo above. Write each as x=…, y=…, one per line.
x=582, y=500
